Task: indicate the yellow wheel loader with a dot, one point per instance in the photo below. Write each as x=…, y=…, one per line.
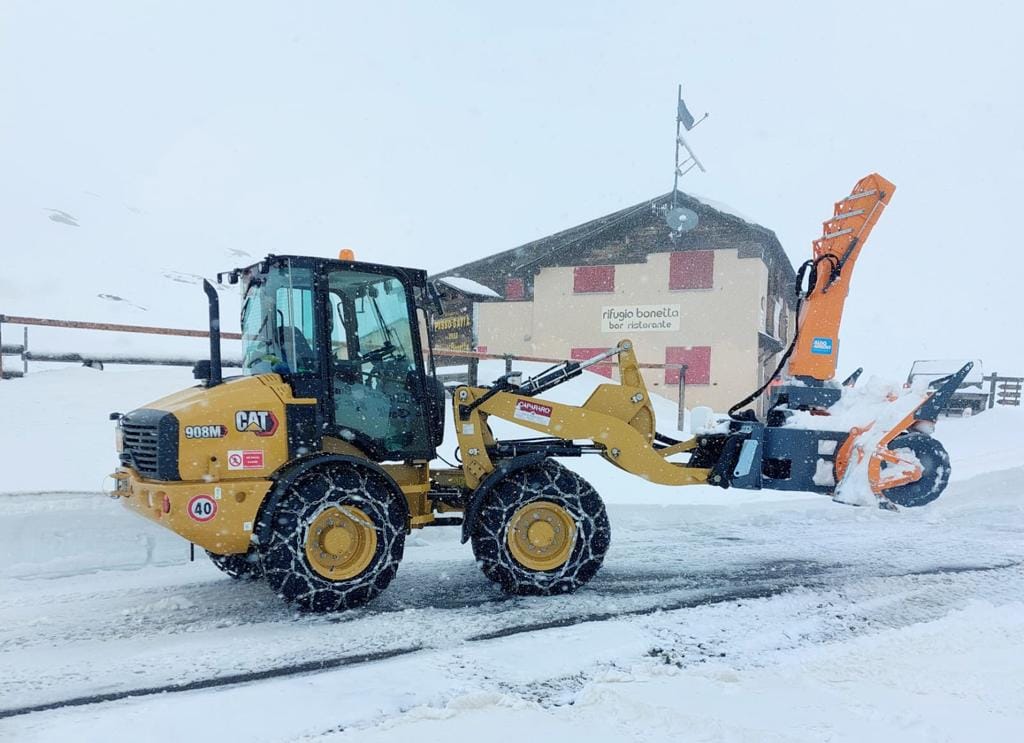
x=309, y=469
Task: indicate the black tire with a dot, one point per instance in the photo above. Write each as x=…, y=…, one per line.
x=549, y=482
x=934, y=471
x=239, y=567
x=286, y=564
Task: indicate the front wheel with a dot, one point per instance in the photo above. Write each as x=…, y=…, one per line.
x=542, y=531
x=336, y=538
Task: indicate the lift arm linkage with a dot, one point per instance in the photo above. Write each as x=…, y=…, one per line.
x=617, y=418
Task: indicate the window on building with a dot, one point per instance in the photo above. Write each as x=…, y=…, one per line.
x=515, y=289
x=582, y=354
x=697, y=360
x=691, y=269
x=588, y=279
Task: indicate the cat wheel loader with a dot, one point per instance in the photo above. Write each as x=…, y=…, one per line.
x=309, y=469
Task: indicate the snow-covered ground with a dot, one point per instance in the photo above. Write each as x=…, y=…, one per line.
x=719, y=615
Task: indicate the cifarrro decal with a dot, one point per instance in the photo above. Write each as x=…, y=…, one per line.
x=245, y=459
x=534, y=412
x=259, y=422
x=206, y=432
x=202, y=508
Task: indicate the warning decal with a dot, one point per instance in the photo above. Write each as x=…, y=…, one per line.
x=202, y=508
x=245, y=459
x=534, y=412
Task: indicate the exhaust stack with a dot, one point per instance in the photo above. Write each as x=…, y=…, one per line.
x=215, y=374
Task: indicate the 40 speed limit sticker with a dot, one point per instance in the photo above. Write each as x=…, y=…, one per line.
x=202, y=508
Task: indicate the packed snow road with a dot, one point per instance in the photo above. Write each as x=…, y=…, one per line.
x=123, y=610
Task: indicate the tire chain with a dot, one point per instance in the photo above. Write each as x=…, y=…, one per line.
x=552, y=482
x=244, y=567
x=284, y=558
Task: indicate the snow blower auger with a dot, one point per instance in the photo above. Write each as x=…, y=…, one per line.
x=309, y=469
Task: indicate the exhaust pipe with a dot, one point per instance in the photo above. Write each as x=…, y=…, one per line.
x=215, y=374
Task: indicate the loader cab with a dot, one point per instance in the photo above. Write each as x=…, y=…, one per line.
x=351, y=335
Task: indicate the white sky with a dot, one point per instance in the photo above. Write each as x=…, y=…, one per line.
x=431, y=134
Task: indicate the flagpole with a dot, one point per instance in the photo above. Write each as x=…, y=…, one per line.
x=675, y=180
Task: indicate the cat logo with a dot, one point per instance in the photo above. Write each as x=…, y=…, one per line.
x=259, y=422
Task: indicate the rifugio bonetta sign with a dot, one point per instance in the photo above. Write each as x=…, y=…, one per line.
x=639, y=318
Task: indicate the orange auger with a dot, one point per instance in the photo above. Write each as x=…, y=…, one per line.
x=835, y=253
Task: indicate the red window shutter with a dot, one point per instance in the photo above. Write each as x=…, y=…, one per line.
x=582, y=354
x=691, y=269
x=593, y=279
x=697, y=360
x=515, y=289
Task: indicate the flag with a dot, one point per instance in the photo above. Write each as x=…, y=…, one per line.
x=684, y=117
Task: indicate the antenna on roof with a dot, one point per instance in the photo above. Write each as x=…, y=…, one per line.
x=684, y=120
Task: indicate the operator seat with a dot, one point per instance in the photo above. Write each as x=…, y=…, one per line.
x=291, y=337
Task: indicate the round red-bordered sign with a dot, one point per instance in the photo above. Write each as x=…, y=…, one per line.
x=202, y=508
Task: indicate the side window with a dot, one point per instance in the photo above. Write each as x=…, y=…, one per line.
x=424, y=324
x=295, y=327
x=278, y=322
x=697, y=360
x=691, y=269
x=339, y=334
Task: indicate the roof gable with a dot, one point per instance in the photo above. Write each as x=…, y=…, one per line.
x=629, y=236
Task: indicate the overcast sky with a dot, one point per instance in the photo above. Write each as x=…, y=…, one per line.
x=431, y=134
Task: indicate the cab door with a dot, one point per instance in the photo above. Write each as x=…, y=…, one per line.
x=378, y=400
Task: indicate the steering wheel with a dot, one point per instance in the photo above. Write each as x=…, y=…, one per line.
x=377, y=354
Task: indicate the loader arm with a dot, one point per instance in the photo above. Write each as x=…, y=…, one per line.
x=617, y=418
x=835, y=253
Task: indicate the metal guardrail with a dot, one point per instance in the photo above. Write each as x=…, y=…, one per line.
x=22, y=349
x=1004, y=390
x=113, y=327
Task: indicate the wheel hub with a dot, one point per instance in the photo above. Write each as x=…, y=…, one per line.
x=541, y=535
x=341, y=542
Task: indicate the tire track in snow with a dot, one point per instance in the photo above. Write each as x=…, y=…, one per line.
x=329, y=664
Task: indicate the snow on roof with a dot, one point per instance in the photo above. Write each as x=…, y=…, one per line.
x=468, y=286
x=721, y=206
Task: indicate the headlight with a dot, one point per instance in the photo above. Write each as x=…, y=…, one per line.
x=118, y=437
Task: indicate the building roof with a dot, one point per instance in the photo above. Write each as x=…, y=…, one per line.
x=469, y=287
x=629, y=236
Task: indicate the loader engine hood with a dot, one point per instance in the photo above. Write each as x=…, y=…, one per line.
x=245, y=427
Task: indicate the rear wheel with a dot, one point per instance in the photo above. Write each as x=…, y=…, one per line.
x=336, y=538
x=240, y=567
x=543, y=530
x=935, y=469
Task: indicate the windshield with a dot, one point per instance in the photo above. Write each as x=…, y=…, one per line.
x=278, y=333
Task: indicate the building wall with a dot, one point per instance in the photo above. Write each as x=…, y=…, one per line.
x=726, y=318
